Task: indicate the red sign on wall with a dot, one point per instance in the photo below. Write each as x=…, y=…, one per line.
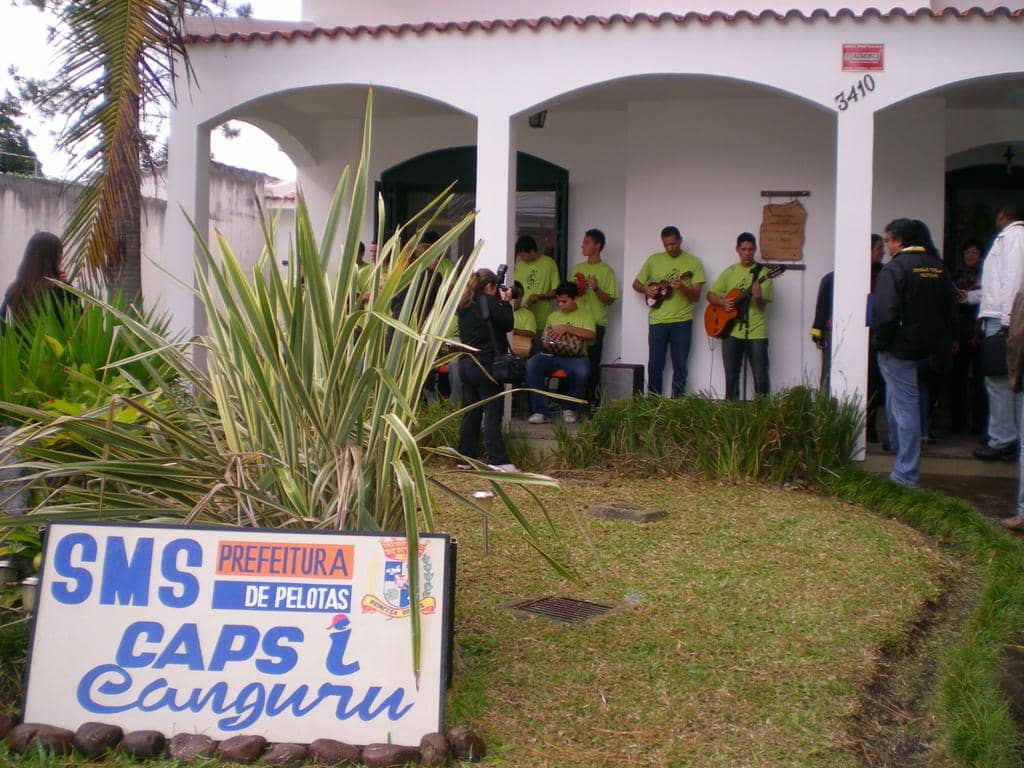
x=862, y=57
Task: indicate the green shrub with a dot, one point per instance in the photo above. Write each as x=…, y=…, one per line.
x=792, y=435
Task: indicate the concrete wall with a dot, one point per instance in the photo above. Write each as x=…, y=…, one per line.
x=29, y=205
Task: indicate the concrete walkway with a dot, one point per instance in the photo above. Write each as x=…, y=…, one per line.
x=949, y=467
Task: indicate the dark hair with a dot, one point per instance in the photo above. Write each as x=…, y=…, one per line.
x=525, y=244
x=745, y=237
x=671, y=232
x=973, y=243
x=875, y=238
x=1012, y=211
x=567, y=289
x=39, y=265
x=517, y=290
x=912, y=233
x=596, y=235
x=477, y=282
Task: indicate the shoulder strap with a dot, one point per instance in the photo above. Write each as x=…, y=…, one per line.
x=485, y=313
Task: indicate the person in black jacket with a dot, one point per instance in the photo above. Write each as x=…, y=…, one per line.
x=913, y=319
x=483, y=296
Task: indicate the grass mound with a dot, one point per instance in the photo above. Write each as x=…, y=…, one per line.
x=793, y=435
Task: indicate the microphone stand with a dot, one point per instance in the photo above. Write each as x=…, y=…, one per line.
x=746, y=355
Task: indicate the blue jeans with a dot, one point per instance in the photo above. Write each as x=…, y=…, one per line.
x=540, y=367
x=733, y=352
x=675, y=337
x=1002, y=403
x=902, y=409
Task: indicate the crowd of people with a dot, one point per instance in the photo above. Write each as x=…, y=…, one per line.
x=930, y=329
x=935, y=331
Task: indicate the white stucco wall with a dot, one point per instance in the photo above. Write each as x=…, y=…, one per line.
x=910, y=167
x=723, y=153
x=31, y=205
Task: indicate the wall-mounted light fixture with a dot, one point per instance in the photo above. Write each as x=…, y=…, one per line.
x=537, y=119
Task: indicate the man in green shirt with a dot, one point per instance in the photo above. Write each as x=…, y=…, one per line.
x=599, y=289
x=539, y=276
x=569, y=326
x=749, y=335
x=671, y=283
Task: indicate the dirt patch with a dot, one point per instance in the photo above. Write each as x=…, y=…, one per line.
x=895, y=724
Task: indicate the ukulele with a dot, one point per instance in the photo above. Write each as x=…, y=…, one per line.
x=718, y=321
x=665, y=289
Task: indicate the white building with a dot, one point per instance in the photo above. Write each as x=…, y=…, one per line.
x=656, y=114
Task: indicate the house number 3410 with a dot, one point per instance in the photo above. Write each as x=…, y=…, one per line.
x=860, y=90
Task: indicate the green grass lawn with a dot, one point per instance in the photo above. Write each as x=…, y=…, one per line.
x=761, y=613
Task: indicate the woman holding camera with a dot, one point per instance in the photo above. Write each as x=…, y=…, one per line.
x=483, y=298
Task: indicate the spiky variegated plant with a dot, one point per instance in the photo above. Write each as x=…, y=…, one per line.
x=307, y=412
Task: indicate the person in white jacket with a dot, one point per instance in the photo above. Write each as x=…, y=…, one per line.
x=1001, y=278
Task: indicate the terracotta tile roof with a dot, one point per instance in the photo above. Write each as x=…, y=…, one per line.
x=270, y=31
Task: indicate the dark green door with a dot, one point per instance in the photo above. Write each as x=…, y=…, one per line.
x=542, y=197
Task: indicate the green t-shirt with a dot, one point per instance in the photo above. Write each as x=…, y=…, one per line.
x=660, y=267
x=523, y=320
x=537, y=276
x=738, y=277
x=579, y=318
x=605, y=281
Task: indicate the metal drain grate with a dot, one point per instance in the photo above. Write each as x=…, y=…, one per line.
x=565, y=609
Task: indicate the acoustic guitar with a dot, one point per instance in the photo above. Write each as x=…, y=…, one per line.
x=718, y=321
x=665, y=289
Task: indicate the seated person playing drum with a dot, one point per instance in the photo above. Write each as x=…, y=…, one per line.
x=525, y=324
x=566, y=333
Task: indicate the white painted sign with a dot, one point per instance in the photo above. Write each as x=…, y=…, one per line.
x=290, y=635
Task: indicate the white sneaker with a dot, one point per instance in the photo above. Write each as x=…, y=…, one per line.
x=569, y=417
x=504, y=467
x=538, y=418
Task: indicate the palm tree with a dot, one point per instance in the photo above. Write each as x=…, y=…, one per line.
x=117, y=72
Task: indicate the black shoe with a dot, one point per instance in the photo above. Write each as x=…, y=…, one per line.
x=1006, y=453
x=887, y=446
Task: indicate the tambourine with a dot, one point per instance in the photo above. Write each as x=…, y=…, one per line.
x=563, y=346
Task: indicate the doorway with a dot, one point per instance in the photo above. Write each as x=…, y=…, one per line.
x=542, y=198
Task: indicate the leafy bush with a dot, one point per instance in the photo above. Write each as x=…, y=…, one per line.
x=792, y=435
x=59, y=356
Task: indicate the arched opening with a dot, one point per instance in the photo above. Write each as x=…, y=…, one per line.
x=542, y=196
x=978, y=182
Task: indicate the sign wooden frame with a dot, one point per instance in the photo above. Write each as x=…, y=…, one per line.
x=292, y=635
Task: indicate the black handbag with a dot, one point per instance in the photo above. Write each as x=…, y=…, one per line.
x=993, y=355
x=505, y=368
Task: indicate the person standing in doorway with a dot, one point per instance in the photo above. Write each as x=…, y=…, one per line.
x=913, y=321
x=599, y=289
x=748, y=339
x=1001, y=278
x=538, y=275
x=671, y=282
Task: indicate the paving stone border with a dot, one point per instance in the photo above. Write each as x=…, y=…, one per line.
x=92, y=740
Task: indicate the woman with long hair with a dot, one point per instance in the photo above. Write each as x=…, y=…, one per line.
x=40, y=276
x=485, y=317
